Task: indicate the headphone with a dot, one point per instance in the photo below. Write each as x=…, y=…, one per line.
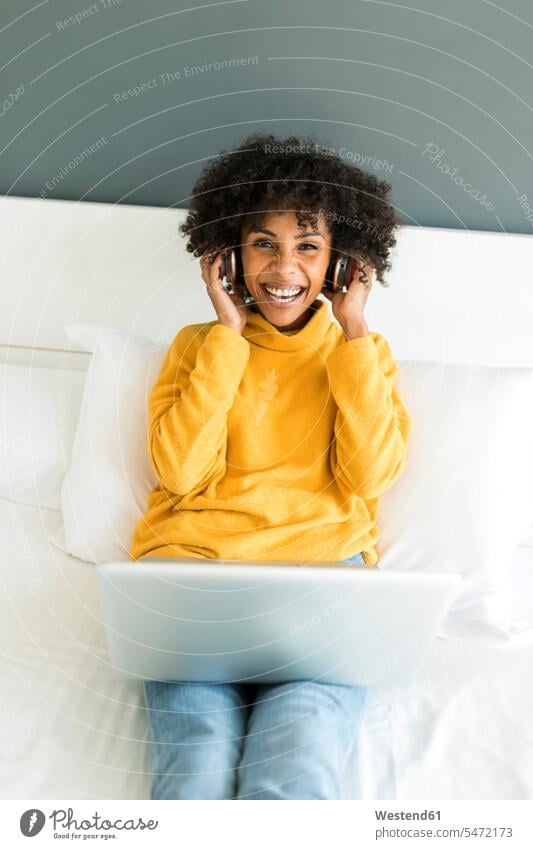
x=339, y=274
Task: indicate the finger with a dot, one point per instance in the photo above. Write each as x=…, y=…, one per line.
x=211, y=268
x=359, y=280
x=369, y=271
x=205, y=267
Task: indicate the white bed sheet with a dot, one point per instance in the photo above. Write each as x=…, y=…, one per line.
x=70, y=728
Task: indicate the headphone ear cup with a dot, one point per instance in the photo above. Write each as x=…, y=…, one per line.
x=226, y=273
x=239, y=272
x=329, y=282
x=240, y=284
x=223, y=273
x=341, y=271
x=351, y=268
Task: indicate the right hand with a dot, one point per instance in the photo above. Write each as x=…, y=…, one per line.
x=230, y=309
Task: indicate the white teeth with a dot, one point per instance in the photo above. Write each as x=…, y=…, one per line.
x=280, y=293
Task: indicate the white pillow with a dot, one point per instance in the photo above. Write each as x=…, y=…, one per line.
x=464, y=499
x=458, y=506
x=39, y=412
x=107, y=485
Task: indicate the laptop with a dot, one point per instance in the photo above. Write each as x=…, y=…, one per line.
x=188, y=619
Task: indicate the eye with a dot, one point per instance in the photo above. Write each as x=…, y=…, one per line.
x=261, y=242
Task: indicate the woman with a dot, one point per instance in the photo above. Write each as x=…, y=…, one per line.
x=273, y=431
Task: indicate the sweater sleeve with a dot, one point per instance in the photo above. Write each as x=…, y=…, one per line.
x=188, y=407
x=372, y=426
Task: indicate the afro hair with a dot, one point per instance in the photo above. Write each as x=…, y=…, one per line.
x=267, y=174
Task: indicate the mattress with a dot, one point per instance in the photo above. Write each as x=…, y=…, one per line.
x=71, y=729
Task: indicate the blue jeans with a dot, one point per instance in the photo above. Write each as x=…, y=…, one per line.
x=252, y=741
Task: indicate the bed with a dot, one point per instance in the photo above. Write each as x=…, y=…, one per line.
x=70, y=727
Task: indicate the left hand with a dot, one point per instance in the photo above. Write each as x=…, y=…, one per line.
x=348, y=307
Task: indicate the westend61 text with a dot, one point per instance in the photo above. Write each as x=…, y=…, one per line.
x=407, y=815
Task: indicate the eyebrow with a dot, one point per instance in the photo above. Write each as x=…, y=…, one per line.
x=300, y=236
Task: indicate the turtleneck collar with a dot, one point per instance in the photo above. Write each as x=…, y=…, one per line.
x=259, y=331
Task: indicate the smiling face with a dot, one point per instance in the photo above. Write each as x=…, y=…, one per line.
x=280, y=255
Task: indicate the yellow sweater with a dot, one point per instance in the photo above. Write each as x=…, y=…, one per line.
x=271, y=446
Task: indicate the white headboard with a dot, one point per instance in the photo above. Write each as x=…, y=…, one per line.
x=455, y=296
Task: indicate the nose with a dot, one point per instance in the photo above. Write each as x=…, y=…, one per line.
x=283, y=261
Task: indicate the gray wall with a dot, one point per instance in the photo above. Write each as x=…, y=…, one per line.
x=423, y=97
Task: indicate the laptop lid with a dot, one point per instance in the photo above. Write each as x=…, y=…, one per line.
x=187, y=620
